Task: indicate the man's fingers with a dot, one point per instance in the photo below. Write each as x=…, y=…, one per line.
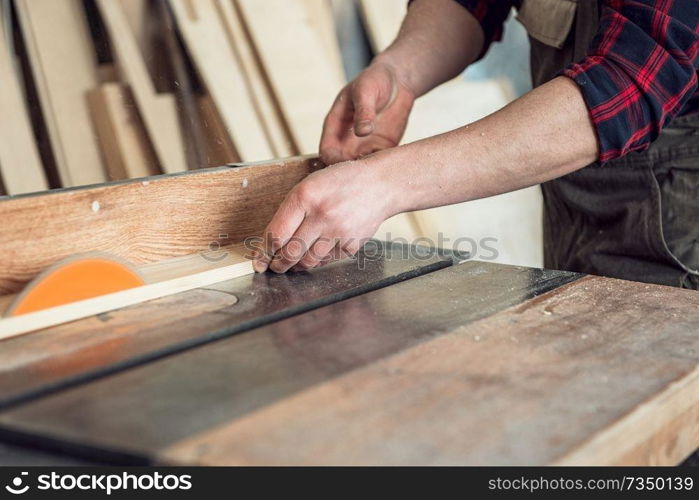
x=320, y=249
x=341, y=251
x=284, y=224
x=295, y=249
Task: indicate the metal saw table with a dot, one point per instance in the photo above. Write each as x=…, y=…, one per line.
x=402, y=356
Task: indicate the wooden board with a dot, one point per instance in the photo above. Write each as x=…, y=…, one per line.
x=210, y=49
x=321, y=18
x=145, y=220
x=158, y=111
x=127, y=152
x=303, y=77
x=137, y=14
x=219, y=148
x=64, y=68
x=21, y=170
x=267, y=108
x=382, y=20
x=178, y=280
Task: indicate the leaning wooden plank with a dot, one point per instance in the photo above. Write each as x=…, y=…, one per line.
x=145, y=20
x=158, y=111
x=19, y=325
x=302, y=75
x=128, y=154
x=137, y=14
x=20, y=165
x=219, y=148
x=321, y=17
x=186, y=90
x=64, y=68
x=208, y=45
x=267, y=108
x=382, y=20
x=144, y=220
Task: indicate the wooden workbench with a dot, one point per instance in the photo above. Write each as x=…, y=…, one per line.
x=400, y=358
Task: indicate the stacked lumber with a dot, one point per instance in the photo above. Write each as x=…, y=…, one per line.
x=101, y=90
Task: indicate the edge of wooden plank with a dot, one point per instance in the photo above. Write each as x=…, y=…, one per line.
x=681, y=397
x=74, y=144
x=207, y=42
x=20, y=164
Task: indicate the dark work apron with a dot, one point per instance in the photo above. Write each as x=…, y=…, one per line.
x=636, y=217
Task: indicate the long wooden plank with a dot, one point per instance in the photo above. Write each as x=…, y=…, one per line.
x=208, y=44
x=128, y=154
x=321, y=17
x=219, y=148
x=267, y=108
x=21, y=170
x=64, y=68
x=600, y=372
x=144, y=220
x=158, y=111
x=383, y=20
x=26, y=323
x=304, y=79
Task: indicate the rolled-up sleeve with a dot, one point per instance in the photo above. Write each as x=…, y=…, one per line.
x=491, y=14
x=640, y=71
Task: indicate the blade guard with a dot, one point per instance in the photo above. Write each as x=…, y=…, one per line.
x=74, y=279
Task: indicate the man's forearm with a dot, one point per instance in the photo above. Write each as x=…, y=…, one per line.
x=543, y=135
x=437, y=40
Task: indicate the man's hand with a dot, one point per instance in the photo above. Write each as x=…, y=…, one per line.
x=326, y=217
x=369, y=114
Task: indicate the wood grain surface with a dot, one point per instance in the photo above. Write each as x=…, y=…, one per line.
x=143, y=220
x=599, y=372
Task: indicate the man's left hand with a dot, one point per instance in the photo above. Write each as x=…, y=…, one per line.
x=326, y=217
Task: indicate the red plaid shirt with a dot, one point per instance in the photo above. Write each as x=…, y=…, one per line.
x=640, y=72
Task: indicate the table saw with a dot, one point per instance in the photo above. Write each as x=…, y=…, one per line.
x=404, y=355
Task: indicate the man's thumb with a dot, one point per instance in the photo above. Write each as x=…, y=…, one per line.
x=364, y=111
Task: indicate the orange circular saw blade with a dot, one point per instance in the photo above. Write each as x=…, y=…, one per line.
x=75, y=279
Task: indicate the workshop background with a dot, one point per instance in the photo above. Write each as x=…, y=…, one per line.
x=98, y=90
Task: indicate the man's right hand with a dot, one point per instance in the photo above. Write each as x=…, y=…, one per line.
x=369, y=114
